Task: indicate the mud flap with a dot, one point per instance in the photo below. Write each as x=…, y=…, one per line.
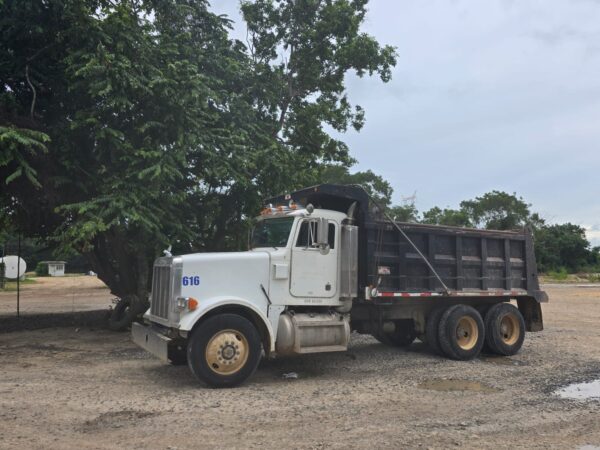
x=532, y=313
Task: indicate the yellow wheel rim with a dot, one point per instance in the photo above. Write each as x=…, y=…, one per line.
x=510, y=329
x=467, y=333
x=227, y=352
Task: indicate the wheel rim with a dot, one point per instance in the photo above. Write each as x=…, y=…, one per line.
x=509, y=329
x=467, y=333
x=227, y=352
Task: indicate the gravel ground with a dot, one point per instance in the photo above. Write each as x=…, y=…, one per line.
x=74, y=388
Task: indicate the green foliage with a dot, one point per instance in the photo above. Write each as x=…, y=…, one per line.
x=41, y=269
x=301, y=52
x=561, y=246
x=404, y=213
x=594, y=278
x=15, y=144
x=560, y=275
x=447, y=216
x=497, y=210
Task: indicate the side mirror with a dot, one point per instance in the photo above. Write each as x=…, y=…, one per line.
x=323, y=233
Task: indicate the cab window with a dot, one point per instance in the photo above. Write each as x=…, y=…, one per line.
x=308, y=234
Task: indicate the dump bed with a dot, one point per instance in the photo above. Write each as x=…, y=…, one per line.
x=467, y=261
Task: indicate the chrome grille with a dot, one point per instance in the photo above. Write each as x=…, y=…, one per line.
x=162, y=289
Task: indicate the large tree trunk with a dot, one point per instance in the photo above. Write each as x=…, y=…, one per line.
x=124, y=268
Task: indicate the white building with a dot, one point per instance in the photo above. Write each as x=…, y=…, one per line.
x=56, y=268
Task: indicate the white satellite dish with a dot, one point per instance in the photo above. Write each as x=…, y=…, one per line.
x=12, y=268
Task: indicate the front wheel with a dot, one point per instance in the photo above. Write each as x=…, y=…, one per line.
x=224, y=350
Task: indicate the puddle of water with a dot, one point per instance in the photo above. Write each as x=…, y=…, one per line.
x=581, y=391
x=456, y=385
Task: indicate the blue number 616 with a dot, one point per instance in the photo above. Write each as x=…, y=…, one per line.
x=191, y=281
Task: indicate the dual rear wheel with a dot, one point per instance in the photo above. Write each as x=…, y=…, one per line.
x=459, y=332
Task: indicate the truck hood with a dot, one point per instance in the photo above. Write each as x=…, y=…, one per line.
x=233, y=275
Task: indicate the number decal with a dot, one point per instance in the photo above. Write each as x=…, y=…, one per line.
x=191, y=281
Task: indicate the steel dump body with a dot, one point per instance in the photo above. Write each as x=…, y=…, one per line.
x=465, y=259
x=471, y=262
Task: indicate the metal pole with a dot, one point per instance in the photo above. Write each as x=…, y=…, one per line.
x=18, y=275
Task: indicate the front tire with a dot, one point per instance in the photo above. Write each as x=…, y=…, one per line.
x=505, y=329
x=224, y=350
x=461, y=332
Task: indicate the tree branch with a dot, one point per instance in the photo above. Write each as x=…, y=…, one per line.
x=33, y=90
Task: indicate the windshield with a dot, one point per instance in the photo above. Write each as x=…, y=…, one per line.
x=271, y=232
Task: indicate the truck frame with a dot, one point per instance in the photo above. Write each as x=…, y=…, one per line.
x=327, y=260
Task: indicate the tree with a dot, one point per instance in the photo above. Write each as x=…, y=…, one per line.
x=497, y=210
x=301, y=51
x=562, y=246
x=166, y=131
x=133, y=111
x=404, y=213
x=447, y=216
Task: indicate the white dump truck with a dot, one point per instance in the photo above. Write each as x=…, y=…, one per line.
x=325, y=261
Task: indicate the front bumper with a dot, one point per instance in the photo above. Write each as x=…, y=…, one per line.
x=151, y=340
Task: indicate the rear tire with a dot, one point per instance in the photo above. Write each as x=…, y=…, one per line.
x=224, y=350
x=431, y=330
x=505, y=329
x=461, y=332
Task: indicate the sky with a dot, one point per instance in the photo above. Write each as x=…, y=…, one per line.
x=501, y=94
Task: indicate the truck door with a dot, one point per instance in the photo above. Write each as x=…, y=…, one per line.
x=314, y=270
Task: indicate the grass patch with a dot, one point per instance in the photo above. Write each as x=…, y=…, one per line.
x=11, y=286
x=594, y=277
x=560, y=275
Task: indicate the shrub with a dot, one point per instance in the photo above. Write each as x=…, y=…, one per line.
x=41, y=270
x=560, y=275
x=594, y=277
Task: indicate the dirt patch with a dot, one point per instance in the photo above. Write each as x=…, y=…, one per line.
x=57, y=295
x=78, y=388
x=115, y=419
